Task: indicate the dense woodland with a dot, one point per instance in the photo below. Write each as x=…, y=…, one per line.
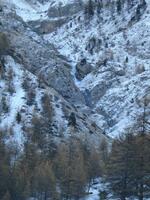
x=66, y=171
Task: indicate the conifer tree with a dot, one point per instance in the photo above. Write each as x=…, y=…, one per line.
x=89, y=9
x=119, y=6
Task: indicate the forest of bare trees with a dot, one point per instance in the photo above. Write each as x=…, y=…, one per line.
x=67, y=171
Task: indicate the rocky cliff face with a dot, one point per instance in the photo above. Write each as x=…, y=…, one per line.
x=36, y=82
x=93, y=70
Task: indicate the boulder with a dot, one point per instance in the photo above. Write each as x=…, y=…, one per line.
x=82, y=69
x=47, y=26
x=64, y=11
x=119, y=71
x=139, y=69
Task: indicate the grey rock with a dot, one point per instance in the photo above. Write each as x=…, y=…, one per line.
x=67, y=10
x=41, y=59
x=98, y=92
x=47, y=26
x=59, y=77
x=120, y=72
x=82, y=69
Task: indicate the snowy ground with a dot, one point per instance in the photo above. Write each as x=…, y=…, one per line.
x=29, y=12
x=94, y=190
x=16, y=100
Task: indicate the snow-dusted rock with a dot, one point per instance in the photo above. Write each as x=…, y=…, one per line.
x=82, y=69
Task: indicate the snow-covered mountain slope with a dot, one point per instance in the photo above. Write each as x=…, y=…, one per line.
x=36, y=84
x=117, y=48
x=24, y=97
x=96, y=67
x=28, y=11
x=31, y=10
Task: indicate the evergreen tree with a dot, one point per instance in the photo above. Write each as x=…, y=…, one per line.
x=119, y=6
x=72, y=120
x=99, y=6
x=89, y=9
x=18, y=117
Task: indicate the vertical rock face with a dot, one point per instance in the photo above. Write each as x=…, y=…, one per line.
x=65, y=10
x=48, y=26
x=59, y=77
x=53, y=14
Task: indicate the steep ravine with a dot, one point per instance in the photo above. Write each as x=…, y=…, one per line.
x=111, y=62
x=34, y=72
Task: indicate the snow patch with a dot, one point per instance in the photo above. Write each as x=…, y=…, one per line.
x=16, y=101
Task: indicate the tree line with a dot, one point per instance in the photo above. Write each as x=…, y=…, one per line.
x=96, y=6
x=63, y=172
x=46, y=170
x=128, y=167
x=68, y=171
